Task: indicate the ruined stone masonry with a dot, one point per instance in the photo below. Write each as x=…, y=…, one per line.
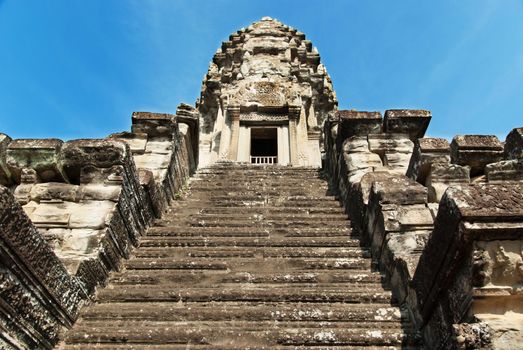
x=216, y=228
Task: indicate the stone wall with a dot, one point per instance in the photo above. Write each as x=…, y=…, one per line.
x=81, y=206
x=443, y=221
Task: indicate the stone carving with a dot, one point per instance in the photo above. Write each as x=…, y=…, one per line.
x=39, y=297
x=500, y=264
x=267, y=67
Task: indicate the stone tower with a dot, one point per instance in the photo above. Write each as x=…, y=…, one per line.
x=264, y=98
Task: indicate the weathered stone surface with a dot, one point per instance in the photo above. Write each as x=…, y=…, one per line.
x=41, y=297
x=136, y=141
x=153, y=124
x=413, y=122
x=269, y=75
x=506, y=170
x=443, y=175
x=397, y=189
x=188, y=116
x=473, y=252
x=38, y=155
x=92, y=153
x=390, y=143
x=357, y=123
x=476, y=151
x=394, y=149
x=426, y=152
x=5, y=174
x=514, y=144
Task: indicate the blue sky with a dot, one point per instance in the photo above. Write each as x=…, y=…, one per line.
x=76, y=68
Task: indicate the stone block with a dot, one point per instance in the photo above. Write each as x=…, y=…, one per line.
x=77, y=155
x=188, y=115
x=160, y=146
x=54, y=191
x=136, y=141
x=506, y=170
x=398, y=189
x=413, y=122
x=362, y=160
x=100, y=192
x=153, y=124
x=81, y=242
x=476, y=151
x=355, y=144
x=426, y=152
x=479, y=212
x=40, y=156
x=5, y=174
x=397, y=162
x=152, y=161
x=514, y=144
x=443, y=175
x=390, y=143
x=357, y=123
x=90, y=214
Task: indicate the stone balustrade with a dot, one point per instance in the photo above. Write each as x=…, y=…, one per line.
x=82, y=205
x=460, y=282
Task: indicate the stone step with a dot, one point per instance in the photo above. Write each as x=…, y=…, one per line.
x=327, y=293
x=150, y=241
x=241, y=333
x=214, y=277
x=277, y=197
x=286, y=172
x=246, y=230
x=126, y=346
x=230, y=311
x=260, y=189
x=181, y=207
x=233, y=252
x=248, y=264
x=261, y=203
x=240, y=221
x=175, y=216
x=205, y=185
x=249, y=258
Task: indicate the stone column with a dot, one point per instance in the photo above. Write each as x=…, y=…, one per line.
x=294, y=114
x=234, y=112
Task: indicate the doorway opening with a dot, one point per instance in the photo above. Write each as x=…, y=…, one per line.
x=264, y=146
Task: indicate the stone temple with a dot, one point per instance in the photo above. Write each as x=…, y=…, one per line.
x=265, y=98
x=263, y=217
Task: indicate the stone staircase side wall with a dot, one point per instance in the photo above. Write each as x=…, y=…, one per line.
x=89, y=202
x=38, y=297
x=392, y=190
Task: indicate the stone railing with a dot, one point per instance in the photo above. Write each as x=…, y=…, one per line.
x=82, y=205
x=264, y=160
x=394, y=184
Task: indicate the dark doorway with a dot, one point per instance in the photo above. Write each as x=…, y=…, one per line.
x=264, y=145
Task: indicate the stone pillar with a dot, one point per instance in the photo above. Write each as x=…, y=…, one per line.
x=234, y=113
x=294, y=114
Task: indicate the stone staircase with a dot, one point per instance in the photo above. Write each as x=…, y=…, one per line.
x=249, y=258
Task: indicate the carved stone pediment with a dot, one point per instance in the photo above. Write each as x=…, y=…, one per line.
x=263, y=94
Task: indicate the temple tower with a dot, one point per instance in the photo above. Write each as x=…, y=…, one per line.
x=264, y=98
